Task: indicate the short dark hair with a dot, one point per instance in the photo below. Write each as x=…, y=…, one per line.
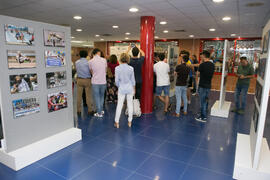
x=184, y=52
x=161, y=56
x=194, y=56
x=185, y=58
x=113, y=59
x=206, y=54
x=243, y=58
x=83, y=53
x=95, y=51
x=135, y=51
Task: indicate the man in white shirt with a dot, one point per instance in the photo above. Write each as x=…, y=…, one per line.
x=162, y=70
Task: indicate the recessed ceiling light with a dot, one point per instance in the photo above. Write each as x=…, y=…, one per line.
x=212, y=29
x=115, y=27
x=233, y=34
x=87, y=45
x=77, y=17
x=126, y=38
x=226, y=18
x=127, y=33
x=79, y=30
x=191, y=36
x=217, y=1
x=156, y=37
x=133, y=9
x=72, y=37
x=165, y=31
x=97, y=35
x=163, y=22
x=102, y=39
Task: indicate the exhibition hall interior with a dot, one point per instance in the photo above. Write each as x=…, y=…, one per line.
x=134, y=89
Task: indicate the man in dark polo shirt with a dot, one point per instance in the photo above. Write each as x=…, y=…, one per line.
x=206, y=71
x=182, y=72
x=244, y=73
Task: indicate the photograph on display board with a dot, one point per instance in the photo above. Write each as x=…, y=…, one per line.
x=265, y=42
x=56, y=79
x=53, y=38
x=255, y=118
x=23, y=107
x=23, y=83
x=258, y=93
x=55, y=58
x=21, y=59
x=19, y=35
x=262, y=66
x=57, y=101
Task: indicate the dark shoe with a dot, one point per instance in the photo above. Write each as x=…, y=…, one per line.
x=235, y=110
x=200, y=119
x=241, y=111
x=91, y=113
x=79, y=113
x=176, y=115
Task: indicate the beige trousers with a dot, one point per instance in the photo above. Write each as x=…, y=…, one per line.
x=84, y=84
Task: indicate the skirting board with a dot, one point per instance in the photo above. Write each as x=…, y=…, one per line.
x=223, y=112
x=27, y=155
x=243, y=161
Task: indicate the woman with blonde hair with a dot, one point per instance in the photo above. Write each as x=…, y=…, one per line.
x=125, y=81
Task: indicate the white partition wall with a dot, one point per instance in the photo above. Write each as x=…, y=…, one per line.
x=36, y=94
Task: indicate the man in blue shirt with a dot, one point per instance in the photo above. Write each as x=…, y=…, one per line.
x=137, y=62
x=83, y=82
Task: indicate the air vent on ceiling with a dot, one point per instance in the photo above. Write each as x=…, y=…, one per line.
x=179, y=30
x=254, y=4
x=106, y=35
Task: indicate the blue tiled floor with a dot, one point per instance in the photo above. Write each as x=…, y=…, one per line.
x=158, y=146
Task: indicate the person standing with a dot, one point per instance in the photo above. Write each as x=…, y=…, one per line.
x=206, y=72
x=195, y=63
x=182, y=72
x=111, y=87
x=137, y=62
x=162, y=70
x=125, y=81
x=83, y=82
x=98, y=67
x=244, y=73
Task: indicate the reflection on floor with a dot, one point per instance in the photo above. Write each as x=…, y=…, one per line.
x=157, y=147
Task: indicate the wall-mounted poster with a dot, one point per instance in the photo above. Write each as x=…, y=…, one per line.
x=21, y=59
x=23, y=107
x=57, y=101
x=262, y=66
x=55, y=58
x=53, y=38
x=255, y=118
x=23, y=83
x=258, y=93
x=19, y=35
x=56, y=79
x=265, y=42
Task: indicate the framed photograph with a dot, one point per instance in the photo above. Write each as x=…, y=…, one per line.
x=24, y=107
x=255, y=118
x=54, y=38
x=258, y=93
x=57, y=101
x=19, y=35
x=21, y=59
x=56, y=79
x=262, y=66
x=23, y=83
x=55, y=58
x=265, y=42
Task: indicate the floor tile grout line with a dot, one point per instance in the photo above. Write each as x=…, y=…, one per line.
x=53, y=172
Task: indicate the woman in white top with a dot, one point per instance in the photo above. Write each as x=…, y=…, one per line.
x=125, y=81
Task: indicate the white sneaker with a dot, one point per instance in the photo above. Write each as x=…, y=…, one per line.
x=98, y=115
x=102, y=112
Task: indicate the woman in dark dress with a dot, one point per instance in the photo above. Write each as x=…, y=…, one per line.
x=111, y=87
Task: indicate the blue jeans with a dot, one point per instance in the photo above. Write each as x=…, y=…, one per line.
x=203, y=93
x=180, y=92
x=241, y=89
x=98, y=93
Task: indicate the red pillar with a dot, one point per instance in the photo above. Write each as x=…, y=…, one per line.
x=147, y=45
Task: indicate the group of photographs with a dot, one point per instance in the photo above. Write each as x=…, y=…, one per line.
x=27, y=59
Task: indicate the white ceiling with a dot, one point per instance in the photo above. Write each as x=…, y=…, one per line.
x=194, y=16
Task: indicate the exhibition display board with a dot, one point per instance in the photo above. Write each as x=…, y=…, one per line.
x=252, y=159
x=36, y=89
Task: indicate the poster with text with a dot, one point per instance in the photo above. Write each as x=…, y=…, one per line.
x=54, y=38
x=23, y=83
x=19, y=35
x=55, y=58
x=258, y=93
x=23, y=107
x=57, y=101
x=21, y=59
x=262, y=66
x=56, y=79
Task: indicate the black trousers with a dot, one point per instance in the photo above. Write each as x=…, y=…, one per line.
x=138, y=91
